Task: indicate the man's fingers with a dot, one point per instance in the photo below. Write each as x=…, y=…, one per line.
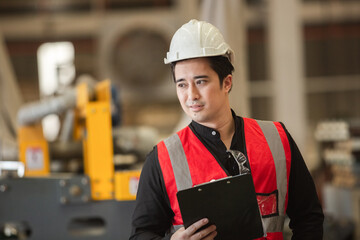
x=211, y=236
x=207, y=233
x=192, y=232
x=197, y=225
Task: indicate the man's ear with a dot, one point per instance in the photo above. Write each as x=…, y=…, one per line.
x=227, y=83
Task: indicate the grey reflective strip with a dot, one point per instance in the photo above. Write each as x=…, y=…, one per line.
x=277, y=150
x=174, y=228
x=179, y=163
x=274, y=224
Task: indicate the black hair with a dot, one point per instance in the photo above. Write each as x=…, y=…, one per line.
x=220, y=64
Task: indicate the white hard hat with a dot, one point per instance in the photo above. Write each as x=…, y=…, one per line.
x=197, y=39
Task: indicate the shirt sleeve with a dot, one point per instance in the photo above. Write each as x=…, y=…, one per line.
x=304, y=209
x=152, y=215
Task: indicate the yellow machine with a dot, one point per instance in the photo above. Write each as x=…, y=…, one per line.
x=93, y=127
x=96, y=204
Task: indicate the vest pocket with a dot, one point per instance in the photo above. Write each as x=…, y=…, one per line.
x=268, y=203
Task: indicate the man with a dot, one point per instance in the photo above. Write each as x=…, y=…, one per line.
x=202, y=68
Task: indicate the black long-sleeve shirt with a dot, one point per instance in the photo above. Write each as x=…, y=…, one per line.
x=153, y=215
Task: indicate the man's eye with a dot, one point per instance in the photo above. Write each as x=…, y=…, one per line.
x=181, y=85
x=200, y=81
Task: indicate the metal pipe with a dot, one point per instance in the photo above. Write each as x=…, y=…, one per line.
x=32, y=112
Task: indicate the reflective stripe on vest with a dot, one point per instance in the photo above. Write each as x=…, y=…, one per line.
x=178, y=162
x=275, y=140
x=277, y=150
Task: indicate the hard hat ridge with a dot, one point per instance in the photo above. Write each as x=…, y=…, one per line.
x=197, y=39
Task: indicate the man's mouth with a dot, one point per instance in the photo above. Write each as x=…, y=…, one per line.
x=195, y=106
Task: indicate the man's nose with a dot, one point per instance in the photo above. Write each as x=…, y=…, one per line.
x=193, y=92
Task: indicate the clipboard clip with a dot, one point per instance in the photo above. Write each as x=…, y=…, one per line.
x=240, y=159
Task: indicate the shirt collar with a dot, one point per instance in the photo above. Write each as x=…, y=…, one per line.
x=211, y=133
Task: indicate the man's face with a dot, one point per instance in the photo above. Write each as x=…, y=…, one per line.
x=199, y=91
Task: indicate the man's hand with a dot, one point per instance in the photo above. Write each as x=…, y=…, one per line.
x=191, y=233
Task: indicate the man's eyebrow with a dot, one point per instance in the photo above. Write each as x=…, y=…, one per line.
x=196, y=77
x=179, y=80
x=201, y=76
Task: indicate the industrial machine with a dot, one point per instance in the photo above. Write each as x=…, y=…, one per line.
x=83, y=185
x=93, y=203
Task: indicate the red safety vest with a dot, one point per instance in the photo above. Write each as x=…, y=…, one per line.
x=183, y=157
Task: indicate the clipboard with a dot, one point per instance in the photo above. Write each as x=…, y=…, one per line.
x=229, y=203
